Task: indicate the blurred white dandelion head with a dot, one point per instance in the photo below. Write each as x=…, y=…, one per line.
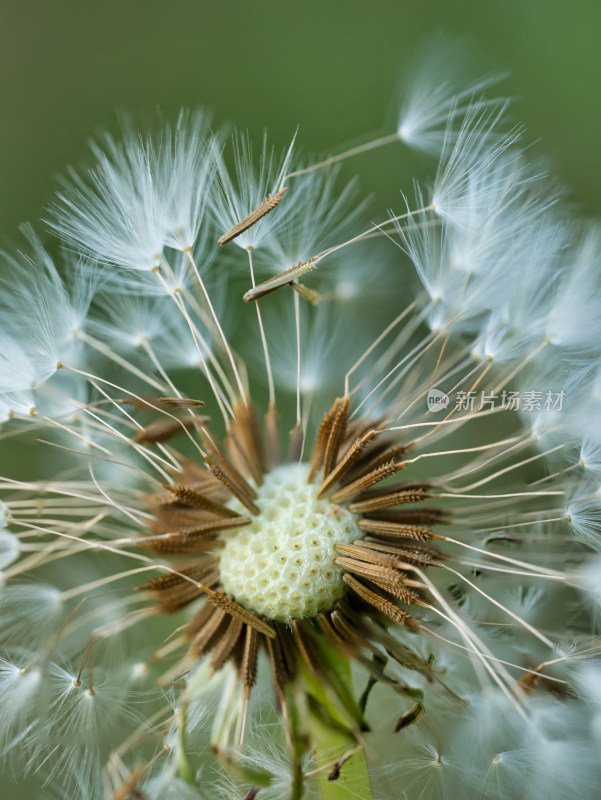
x=251, y=559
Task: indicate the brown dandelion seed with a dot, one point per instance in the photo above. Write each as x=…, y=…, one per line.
x=189, y=497
x=153, y=403
x=397, y=497
x=248, y=667
x=180, y=402
x=360, y=485
x=270, y=202
x=165, y=429
x=381, y=604
x=395, y=529
x=352, y=455
x=289, y=276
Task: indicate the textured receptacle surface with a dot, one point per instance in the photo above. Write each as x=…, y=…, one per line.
x=282, y=565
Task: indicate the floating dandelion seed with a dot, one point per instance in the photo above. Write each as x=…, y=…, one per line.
x=412, y=570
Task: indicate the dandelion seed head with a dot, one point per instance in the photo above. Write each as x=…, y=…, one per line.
x=439, y=89
x=37, y=606
x=583, y=515
x=590, y=454
x=20, y=403
x=245, y=187
x=216, y=518
x=143, y=194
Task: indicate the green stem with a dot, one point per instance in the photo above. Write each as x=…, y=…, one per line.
x=185, y=771
x=344, y=774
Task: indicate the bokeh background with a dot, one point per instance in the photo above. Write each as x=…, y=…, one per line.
x=331, y=67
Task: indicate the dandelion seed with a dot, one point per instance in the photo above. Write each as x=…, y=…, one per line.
x=246, y=198
x=269, y=204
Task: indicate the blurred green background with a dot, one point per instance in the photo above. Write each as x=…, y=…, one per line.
x=332, y=67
